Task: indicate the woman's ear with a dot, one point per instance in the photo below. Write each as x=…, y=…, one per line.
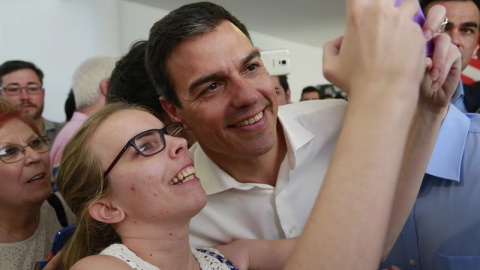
x=104, y=211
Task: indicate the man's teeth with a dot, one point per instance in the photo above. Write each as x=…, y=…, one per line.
x=184, y=176
x=250, y=121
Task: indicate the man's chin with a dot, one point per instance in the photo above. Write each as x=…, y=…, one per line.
x=31, y=113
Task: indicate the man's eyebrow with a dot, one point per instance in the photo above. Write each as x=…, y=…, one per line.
x=217, y=75
x=204, y=79
x=249, y=57
x=470, y=24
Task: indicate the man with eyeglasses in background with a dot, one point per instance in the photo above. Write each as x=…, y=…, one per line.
x=21, y=82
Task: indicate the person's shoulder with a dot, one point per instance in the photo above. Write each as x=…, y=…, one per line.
x=58, y=126
x=52, y=123
x=313, y=111
x=100, y=262
x=313, y=106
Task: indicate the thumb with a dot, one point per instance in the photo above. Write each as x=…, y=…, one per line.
x=331, y=51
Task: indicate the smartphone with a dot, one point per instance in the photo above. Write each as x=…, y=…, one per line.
x=59, y=241
x=277, y=62
x=420, y=19
x=62, y=237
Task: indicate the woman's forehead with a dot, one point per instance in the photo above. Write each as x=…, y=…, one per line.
x=123, y=125
x=132, y=119
x=15, y=129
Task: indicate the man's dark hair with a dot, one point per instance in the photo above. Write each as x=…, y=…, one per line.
x=130, y=82
x=14, y=65
x=425, y=3
x=283, y=82
x=184, y=23
x=310, y=89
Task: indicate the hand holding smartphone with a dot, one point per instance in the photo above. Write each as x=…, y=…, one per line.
x=420, y=19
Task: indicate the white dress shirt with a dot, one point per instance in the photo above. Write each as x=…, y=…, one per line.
x=246, y=210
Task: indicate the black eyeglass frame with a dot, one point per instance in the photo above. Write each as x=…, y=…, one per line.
x=131, y=142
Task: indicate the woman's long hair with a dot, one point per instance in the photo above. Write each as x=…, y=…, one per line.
x=80, y=180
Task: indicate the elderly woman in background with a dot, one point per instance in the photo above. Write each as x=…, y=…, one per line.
x=28, y=223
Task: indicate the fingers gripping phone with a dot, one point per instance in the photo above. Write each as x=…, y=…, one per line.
x=277, y=62
x=420, y=19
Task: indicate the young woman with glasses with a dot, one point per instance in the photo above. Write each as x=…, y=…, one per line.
x=131, y=183
x=27, y=222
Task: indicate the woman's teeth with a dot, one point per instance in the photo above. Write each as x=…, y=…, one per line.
x=184, y=176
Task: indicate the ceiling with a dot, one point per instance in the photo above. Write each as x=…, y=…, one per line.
x=295, y=20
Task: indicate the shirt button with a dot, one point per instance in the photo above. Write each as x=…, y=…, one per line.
x=292, y=230
x=413, y=262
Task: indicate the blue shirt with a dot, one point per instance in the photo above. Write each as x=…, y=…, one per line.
x=443, y=230
x=458, y=97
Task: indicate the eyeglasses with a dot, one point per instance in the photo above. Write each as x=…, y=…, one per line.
x=10, y=153
x=15, y=90
x=151, y=142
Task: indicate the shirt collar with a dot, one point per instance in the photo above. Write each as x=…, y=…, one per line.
x=459, y=98
x=48, y=125
x=459, y=93
x=446, y=159
x=295, y=135
x=213, y=178
x=78, y=116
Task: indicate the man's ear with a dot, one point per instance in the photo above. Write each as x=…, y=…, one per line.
x=476, y=51
x=104, y=211
x=104, y=86
x=172, y=110
x=287, y=94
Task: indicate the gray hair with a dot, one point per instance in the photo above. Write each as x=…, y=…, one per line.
x=87, y=79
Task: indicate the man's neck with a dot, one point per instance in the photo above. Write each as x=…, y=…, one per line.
x=91, y=109
x=262, y=169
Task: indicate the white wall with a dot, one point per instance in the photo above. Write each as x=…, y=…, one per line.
x=137, y=19
x=57, y=35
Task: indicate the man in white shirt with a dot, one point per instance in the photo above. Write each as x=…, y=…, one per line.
x=262, y=172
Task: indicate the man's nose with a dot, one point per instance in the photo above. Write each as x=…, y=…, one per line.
x=24, y=94
x=243, y=93
x=454, y=36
